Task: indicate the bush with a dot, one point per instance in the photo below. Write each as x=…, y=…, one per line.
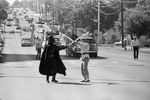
x=144, y=41
x=111, y=36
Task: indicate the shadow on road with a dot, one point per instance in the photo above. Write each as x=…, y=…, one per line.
x=73, y=83
x=18, y=57
x=30, y=57
x=65, y=57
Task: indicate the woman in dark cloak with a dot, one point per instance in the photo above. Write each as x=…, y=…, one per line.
x=51, y=63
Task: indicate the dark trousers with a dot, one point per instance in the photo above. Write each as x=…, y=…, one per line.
x=135, y=52
x=53, y=77
x=38, y=56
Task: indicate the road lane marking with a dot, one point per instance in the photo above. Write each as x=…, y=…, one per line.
x=72, y=63
x=28, y=63
x=6, y=64
x=115, y=62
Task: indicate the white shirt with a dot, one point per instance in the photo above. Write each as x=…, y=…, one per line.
x=84, y=49
x=135, y=43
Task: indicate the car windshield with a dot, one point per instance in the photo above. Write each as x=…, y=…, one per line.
x=90, y=41
x=27, y=39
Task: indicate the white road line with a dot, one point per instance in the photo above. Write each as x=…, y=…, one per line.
x=6, y=64
x=115, y=62
x=93, y=62
x=28, y=63
x=73, y=63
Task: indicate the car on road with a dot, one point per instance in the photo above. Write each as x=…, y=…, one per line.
x=40, y=26
x=24, y=13
x=18, y=27
x=20, y=14
x=26, y=42
x=8, y=24
x=16, y=24
x=40, y=22
x=118, y=43
x=29, y=19
x=9, y=19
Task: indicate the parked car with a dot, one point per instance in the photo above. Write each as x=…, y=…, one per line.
x=25, y=42
x=118, y=43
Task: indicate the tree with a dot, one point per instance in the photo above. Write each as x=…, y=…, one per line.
x=17, y=3
x=136, y=20
x=3, y=4
x=3, y=14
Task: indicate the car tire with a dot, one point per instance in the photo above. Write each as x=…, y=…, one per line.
x=75, y=55
x=95, y=54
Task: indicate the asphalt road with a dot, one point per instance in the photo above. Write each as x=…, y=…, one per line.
x=114, y=75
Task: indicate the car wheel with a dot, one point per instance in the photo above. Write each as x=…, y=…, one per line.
x=95, y=55
x=75, y=55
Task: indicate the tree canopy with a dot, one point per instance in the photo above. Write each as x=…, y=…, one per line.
x=3, y=6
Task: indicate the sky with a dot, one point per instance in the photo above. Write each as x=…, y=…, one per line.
x=11, y=1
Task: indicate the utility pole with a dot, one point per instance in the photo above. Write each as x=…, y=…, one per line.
x=53, y=13
x=46, y=10
x=122, y=27
x=40, y=7
x=98, y=32
x=90, y=18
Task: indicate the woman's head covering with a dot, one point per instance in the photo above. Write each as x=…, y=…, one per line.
x=51, y=40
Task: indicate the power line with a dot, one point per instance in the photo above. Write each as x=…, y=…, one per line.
x=136, y=1
x=108, y=14
x=136, y=11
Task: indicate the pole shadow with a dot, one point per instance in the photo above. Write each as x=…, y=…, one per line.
x=65, y=57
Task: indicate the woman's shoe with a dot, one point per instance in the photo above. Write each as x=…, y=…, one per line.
x=55, y=81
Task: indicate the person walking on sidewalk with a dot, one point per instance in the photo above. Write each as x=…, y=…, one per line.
x=38, y=48
x=84, y=45
x=51, y=63
x=135, y=44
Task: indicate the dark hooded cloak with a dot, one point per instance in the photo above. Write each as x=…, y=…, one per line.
x=51, y=62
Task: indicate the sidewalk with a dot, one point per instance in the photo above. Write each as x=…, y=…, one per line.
x=128, y=48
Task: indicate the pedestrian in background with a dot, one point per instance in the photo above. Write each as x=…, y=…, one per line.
x=51, y=63
x=38, y=46
x=84, y=45
x=135, y=44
